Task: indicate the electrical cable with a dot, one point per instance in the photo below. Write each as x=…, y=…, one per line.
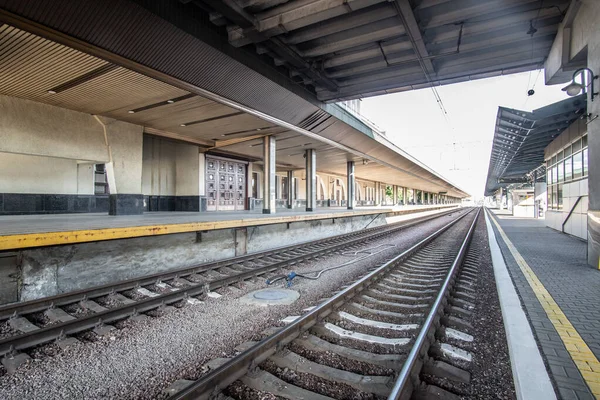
x=317, y=273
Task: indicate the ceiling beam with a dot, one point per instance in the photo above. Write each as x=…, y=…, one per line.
x=236, y=14
x=414, y=33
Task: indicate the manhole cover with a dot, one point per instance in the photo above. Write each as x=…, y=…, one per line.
x=271, y=297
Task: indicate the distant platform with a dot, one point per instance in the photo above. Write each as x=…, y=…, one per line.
x=26, y=231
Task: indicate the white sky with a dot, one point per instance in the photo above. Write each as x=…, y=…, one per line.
x=459, y=148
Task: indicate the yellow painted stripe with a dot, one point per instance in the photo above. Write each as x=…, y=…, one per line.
x=584, y=358
x=28, y=240
x=20, y=241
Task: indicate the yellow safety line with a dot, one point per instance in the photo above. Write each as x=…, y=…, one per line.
x=28, y=240
x=584, y=358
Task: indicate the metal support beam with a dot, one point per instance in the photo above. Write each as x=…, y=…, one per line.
x=350, y=187
x=414, y=33
x=311, y=179
x=290, y=189
x=269, y=175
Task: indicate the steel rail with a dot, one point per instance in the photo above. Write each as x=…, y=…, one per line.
x=221, y=377
x=32, y=306
x=403, y=388
x=53, y=332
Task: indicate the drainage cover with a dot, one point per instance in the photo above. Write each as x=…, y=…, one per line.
x=271, y=296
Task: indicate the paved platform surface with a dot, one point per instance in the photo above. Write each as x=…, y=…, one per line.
x=561, y=296
x=22, y=231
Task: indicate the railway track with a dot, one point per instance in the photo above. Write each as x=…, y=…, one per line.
x=56, y=318
x=372, y=340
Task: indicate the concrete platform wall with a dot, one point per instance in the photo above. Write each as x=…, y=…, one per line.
x=52, y=270
x=577, y=223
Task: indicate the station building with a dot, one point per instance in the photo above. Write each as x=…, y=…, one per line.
x=147, y=133
x=544, y=163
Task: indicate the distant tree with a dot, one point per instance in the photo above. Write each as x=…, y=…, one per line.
x=388, y=191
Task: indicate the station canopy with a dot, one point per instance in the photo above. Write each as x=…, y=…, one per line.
x=521, y=137
x=356, y=48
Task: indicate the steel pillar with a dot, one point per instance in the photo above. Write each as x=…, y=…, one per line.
x=351, y=185
x=290, y=189
x=269, y=203
x=311, y=179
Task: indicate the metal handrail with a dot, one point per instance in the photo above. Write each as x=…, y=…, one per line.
x=413, y=356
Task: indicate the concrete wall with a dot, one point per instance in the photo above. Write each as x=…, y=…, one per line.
x=35, y=174
x=53, y=270
x=171, y=168
x=577, y=223
x=584, y=51
x=55, y=139
x=158, y=171
x=28, y=127
x=85, y=179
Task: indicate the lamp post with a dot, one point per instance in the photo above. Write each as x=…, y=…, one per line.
x=574, y=88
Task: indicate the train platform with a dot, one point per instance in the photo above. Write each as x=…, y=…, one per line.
x=559, y=293
x=27, y=231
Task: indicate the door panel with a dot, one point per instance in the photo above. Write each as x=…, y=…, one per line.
x=225, y=185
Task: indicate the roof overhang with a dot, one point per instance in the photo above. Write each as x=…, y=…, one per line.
x=521, y=137
x=49, y=67
x=348, y=49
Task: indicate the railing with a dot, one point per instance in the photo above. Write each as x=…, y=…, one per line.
x=570, y=212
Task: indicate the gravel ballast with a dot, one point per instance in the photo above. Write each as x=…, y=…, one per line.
x=490, y=368
x=141, y=359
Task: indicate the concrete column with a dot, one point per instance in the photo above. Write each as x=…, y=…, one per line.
x=377, y=194
x=290, y=189
x=311, y=179
x=269, y=203
x=350, y=185
x=405, y=195
x=124, y=170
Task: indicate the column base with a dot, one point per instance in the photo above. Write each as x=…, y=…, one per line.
x=126, y=204
x=268, y=211
x=310, y=209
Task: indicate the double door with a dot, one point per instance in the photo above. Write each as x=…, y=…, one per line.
x=225, y=184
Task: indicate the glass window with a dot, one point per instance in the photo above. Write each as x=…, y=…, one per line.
x=576, y=145
x=585, y=162
x=560, y=172
x=549, y=176
x=560, y=155
x=568, y=169
x=567, y=151
x=553, y=160
x=559, y=196
x=554, y=197
x=577, y=165
x=584, y=141
x=549, y=199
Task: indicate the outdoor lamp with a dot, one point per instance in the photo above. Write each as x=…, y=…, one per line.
x=574, y=88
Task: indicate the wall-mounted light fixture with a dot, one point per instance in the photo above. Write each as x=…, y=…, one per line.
x=574, y=88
